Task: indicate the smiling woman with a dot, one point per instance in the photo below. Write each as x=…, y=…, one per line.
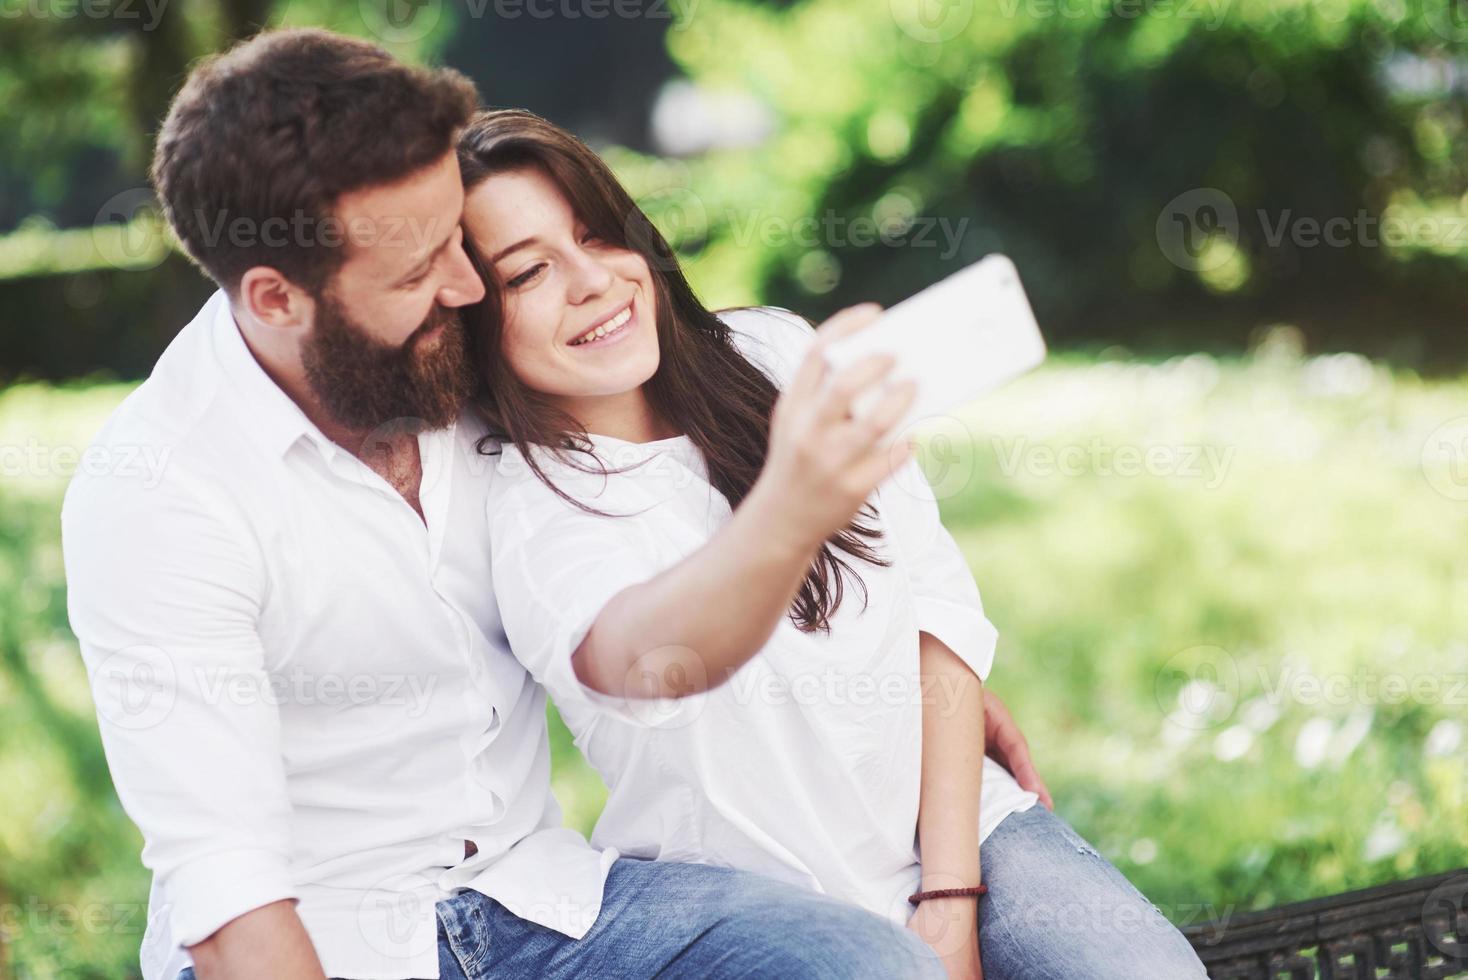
x=563, y=250
x=672, y=543
x=580, y=311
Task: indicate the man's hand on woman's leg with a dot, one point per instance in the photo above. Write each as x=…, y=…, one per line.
x=1007, y=746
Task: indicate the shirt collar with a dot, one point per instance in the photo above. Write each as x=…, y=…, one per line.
x=271, y=415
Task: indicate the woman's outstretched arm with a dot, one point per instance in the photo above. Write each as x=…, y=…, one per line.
x=690, y=627
x=948, y=815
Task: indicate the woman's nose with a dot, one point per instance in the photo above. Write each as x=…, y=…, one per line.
x=590, y=277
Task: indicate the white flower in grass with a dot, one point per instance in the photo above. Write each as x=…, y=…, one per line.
x=1259, y=714
x=1443, y=740
x=1351, y=734
x=1232, y=743
x=1312, y=742
x=1385, y=840
x=1143, y=851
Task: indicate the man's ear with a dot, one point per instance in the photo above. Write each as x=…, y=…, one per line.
x=269, y=298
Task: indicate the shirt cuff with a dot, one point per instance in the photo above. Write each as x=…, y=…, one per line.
x=209, y=892
x=962, y=628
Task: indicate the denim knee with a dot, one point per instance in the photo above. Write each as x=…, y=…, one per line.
x=838, y=941
x=898, y=953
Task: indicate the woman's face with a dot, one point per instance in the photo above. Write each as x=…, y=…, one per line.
x=579, y=315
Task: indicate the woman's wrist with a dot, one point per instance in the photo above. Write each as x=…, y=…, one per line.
x=961, y=872
x=954, y=909
x=767, y=512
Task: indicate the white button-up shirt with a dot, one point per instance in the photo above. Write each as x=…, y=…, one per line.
x=303, y=688
x=806, y=764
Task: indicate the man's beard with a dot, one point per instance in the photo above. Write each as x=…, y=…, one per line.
x=365, y=384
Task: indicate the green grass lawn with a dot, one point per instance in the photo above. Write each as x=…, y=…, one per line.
x=1233, y=600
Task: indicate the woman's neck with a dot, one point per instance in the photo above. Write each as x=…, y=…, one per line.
x=627, y=416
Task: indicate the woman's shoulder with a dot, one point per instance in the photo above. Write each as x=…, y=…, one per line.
x=775, y=340
x=517, y=488
x=609, y=483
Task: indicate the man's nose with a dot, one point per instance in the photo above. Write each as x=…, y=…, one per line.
x=464, y=285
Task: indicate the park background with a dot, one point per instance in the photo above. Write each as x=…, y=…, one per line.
x=1221, y=532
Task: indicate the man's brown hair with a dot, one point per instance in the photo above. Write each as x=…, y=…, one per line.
x=264, y=138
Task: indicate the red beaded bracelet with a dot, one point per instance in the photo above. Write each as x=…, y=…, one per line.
x=975, y=891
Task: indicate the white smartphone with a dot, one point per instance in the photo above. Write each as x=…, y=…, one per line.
x=957, y=339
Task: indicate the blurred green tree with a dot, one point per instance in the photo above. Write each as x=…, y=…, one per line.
x=1173, y=170
x=88, y=278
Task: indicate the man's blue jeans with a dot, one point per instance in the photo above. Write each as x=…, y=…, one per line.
x=1056, y=910
x=684, y=922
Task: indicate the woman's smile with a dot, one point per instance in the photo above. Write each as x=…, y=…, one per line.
x=609, y=329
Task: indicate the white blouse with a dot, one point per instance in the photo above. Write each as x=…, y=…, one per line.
x=805, y=764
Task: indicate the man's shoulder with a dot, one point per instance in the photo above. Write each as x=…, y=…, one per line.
x=157, y=441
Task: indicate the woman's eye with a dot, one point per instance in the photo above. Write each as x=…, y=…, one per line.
x=526, y=276
x=589, y=238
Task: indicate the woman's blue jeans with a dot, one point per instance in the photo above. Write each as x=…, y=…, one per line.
x=1056, y=910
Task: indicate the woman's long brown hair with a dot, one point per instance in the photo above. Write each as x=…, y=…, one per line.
x=703, y=386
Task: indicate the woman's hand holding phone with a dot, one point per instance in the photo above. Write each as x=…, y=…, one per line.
x=825, y=460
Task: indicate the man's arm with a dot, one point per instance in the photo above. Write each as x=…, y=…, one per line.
x=266, y=942
x=164, y=586
x=1007, y=746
